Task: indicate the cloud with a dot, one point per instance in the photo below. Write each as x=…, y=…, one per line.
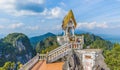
x=23, y=7
x=12, y=26
x=16, y=25
x=37, y=1
x=19, y=26
x=55, y=12
x=63, y=4
x=23, y=13
x=7, y=4
x=33, y=27
x=29, y=6
x=92, y=25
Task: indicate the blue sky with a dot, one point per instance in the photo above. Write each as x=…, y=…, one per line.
x=37, y=17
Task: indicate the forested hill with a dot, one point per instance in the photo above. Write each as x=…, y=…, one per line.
x=91, y=41
x=111, y=51
x=15, y=47
x=36, y=39
x=96, y=42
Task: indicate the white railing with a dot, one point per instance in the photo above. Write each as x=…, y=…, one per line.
x=52, y=55
x=30, y=63
x=62, y=51
x=42, y=56
x=64, y=39
x=59, y=56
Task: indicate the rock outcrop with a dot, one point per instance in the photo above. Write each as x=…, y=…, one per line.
x=73, y=61
x=15, y=47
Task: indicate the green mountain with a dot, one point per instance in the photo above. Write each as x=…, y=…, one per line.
x=15, y=47
x=112, y=57
x=90, y=41
x=94, y=41
x=36, y=39
x=47, y=45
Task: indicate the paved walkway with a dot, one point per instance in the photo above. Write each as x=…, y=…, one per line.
x=41, y=65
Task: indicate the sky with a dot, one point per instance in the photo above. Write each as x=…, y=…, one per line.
x=37, y=17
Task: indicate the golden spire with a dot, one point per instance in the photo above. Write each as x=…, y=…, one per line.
x=67, y=18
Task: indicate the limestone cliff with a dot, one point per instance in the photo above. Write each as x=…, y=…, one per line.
x=73, y=61
x=15, y=47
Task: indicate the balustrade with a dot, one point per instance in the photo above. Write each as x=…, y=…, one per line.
x=30, y=63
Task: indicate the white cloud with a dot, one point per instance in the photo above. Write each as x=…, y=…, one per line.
x=26, y=12
x=92, y=25
x=7, y=4
x=23, y=13
x=16, y=25
x=19, y=26
x=33, y=27
x=10, y=4
x=12, y=26
x=63, y=4
x=32, y=1
x=55, y=12
x=37, y=1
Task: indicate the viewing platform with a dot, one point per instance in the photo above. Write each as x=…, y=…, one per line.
x=71, y=46
x=41, y=65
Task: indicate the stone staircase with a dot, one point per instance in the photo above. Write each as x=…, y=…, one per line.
x=58, y=53
x=61, y=51
x=53, y=55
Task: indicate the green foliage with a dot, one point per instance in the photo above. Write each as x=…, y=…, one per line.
x=94, y=42
x=36, y=39
x=46, y=45
x=112, y=57
x=19, y=64
x=6, y=49
x=11, y=38
x=101, y=44
x=8, y=66
x=91, y=40
x=9, y=50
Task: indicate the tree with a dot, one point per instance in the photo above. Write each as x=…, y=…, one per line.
x=19, y=65
x=112, y=57
x=8, y=66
